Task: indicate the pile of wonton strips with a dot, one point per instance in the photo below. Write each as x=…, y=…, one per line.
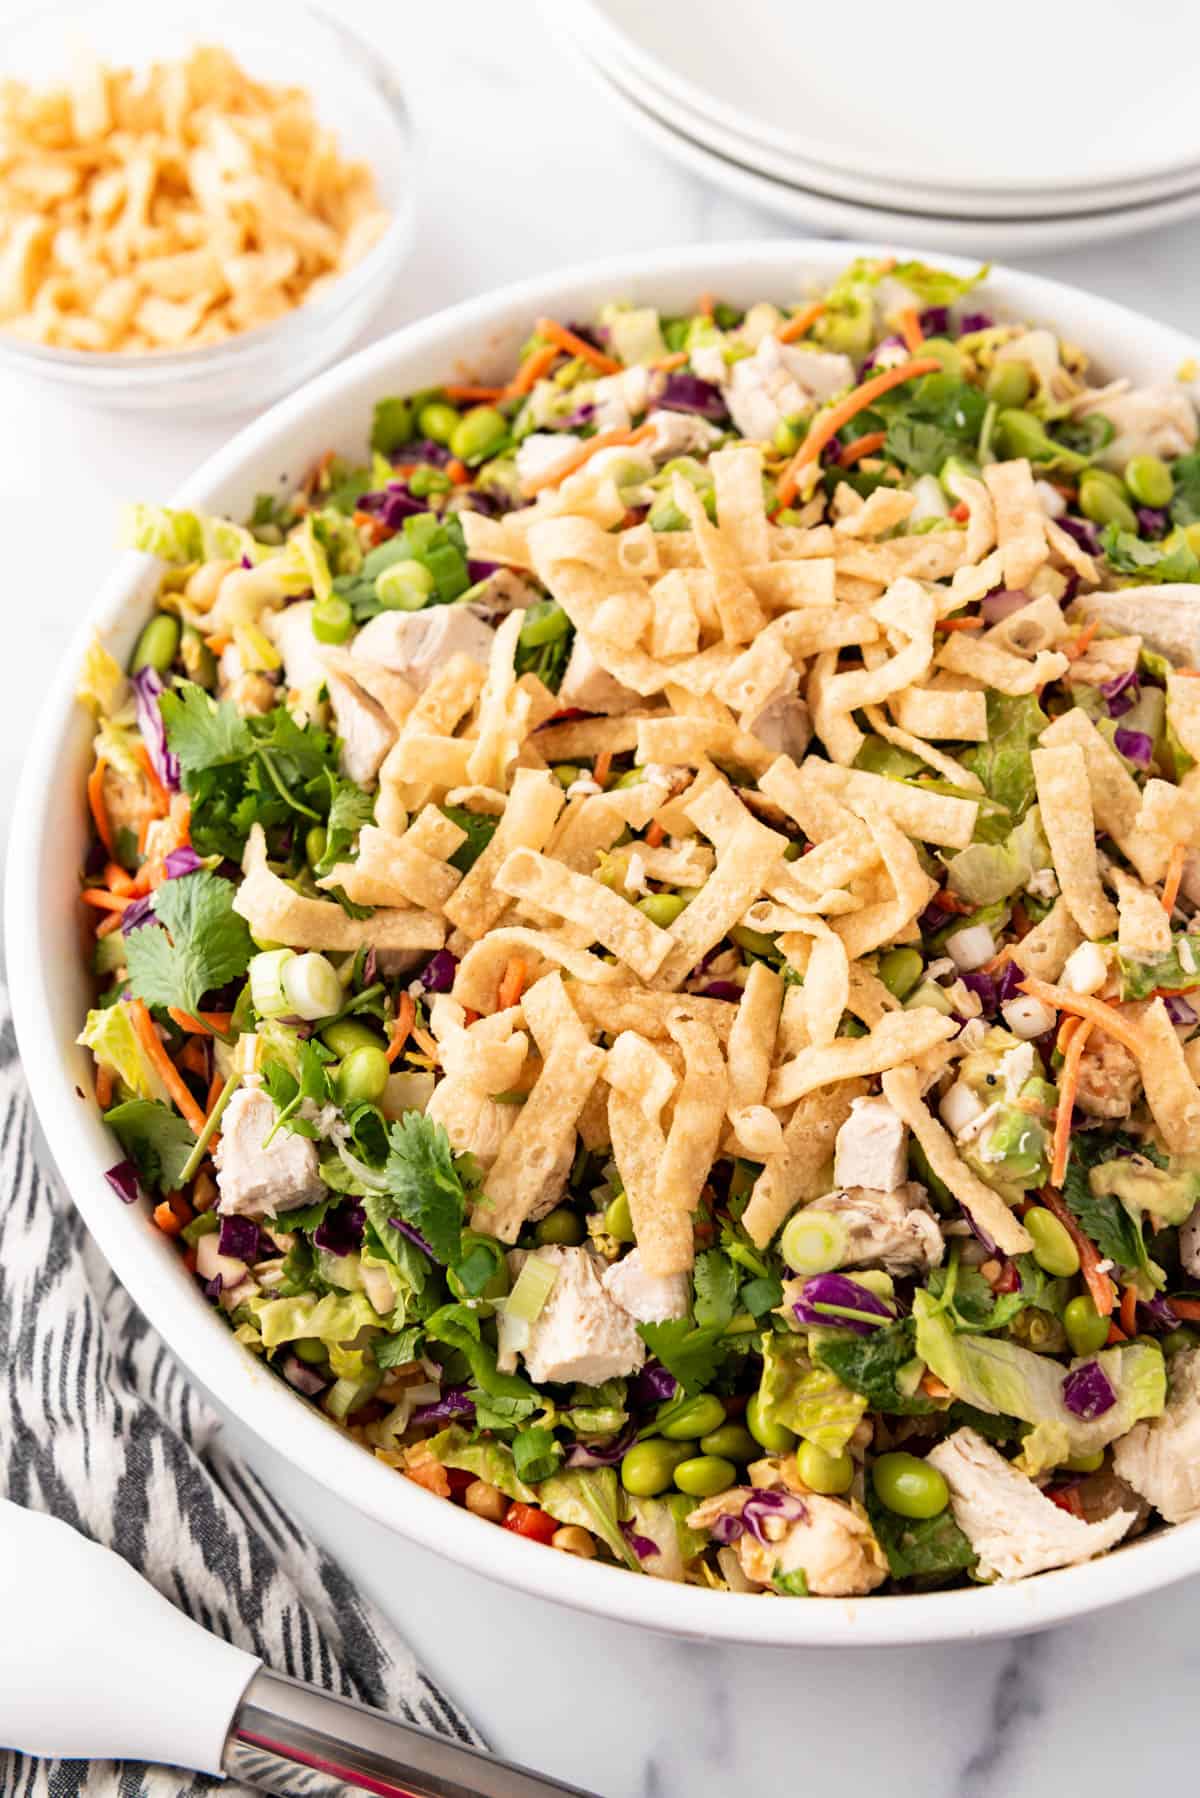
x=706, y=626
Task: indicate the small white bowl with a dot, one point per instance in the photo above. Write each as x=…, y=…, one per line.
x=354, y=94
x=51, y=985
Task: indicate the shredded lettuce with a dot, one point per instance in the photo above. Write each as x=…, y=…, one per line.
x=807, y=1397
x=985, y=873
x=589, y=1496
x=334, y=1319
x=490, y=1461
x=102, y=687
x=1004, y=763
x=110, y=1035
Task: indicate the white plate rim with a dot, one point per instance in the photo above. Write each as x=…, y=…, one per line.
x=829, y=155
x=37, y=915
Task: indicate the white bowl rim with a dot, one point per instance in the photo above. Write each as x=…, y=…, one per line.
x=201, y=1339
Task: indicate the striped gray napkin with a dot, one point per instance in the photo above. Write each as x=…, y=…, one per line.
x=101, y=1426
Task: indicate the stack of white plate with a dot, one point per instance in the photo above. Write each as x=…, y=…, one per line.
x=1032, y=127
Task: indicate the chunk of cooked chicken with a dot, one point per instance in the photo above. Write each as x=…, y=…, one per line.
x=129, y=803
x=581, y=1333
x=1160, y=1457
x=416, y=643
x=474, y=1122
x=831, y=1543
x=292, y=634
x=1189, y=1244
x=1108, y=1079
x=257, y=1180
x=1166, y=618
x=1012, y=1526
x=872, y=1147
x=650, y=1298
x=893, y=1230
x=366, y=731
x=780, y=382
x=1148, y=421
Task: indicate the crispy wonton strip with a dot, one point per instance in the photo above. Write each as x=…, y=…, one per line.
x=1171, y=1093
x=696, y=1124
x=1044, y=950
x=537, y=1151
x=1064, y=797
x=898, y=1037
x=1020, y=521
x=803, y=1167
x=741, y=615
x=609, y=919
x=277, y=913
x=1116, y=798
x=902, y=1090
x=752, y=1040
x=638, y=1147
x=637, y=1069
x=533, y=807
x=612, y=1007
x=930, y=817
x=481, y=969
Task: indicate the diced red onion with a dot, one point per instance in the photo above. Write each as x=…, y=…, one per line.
x=212, y=1288
x=305, y=1379
x=1002, y=603
x=721, y=989
x=123, y=1179
x=478, y=570
x=147, y=685
x=934, y=321
x=1158, y=1313
x=836, y=1289
x=1087, y=1391
x=1135, y=745
x=984, y=988
x=974, y=321
x=683, y=392
x=1152, y=522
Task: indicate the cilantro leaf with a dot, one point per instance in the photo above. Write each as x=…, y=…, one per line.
x=936, y=418
x=544, y=645
x=458, y=1327
x=1153, y=562
x=1116, y=1234
x=1185, y=501
x=716, y=1289
x=974, y=1306
x=155, y=1138
x=929, y=1548
x=875, y=1366
x=349, y=810
x=202, y=944
x=426, y=1190
x=480, y=828
x=790, y=1585
x=201, y=731
x=394, y=1351
x=692, y=1355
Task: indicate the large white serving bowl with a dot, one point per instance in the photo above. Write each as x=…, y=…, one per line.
x=50, y=984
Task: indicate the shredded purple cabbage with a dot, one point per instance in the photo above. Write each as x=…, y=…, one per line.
x=1158, y=1313
x=1008, y=982
x=1002, y=602
x=984, y=988
x=1152, y=521
x=784, y=1505
x=239, y=1238
x=978, y=1232
x=974, y=321
x=1087, y=1391
x=340, y=1231
x=147, y=685
x=935, y=321
x=305, y=1379
x=481, y=571
x=652, y=1385
x=123, y=1178
x=684, y=392
x=414, y=1236
x=182, y=861
x=1084, y=533
x=1178, y=1009
x=836, y=1289
x=644, y=1547
x=721, y=989
x=1135, y=745
x=437, y=976
x=421, y=449
x=392, y=504
x=934, y=918
x=885, y=343
x=602, y=1454
x=138, y=912
x=212, y=1288
x=1121, y=693
x=453, y=1403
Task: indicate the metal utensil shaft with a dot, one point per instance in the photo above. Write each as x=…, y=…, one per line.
x=291, y=1739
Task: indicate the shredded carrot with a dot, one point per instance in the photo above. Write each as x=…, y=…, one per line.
x=910, y=330
x=458, y=472
x=587, y=449
x=512, y=984
x=1074, y=647
x=1174, y=875
x=104, y=1085
x=800, y=323
x=932, y=1387
x=1084, y=1005
x=1068, y=1083
x=216, y=1087
x=961, y=512
x=666, y=363
x=110, y=922
x=1129, y=1310
x=531, y=370
x=829, y=423
x=166, y=1220
x=466, y=392
x=557, y=334
x=103, y=900
x=470, y=1017
x=192, y=1058
x=165, y=1068
x=117, y=880
x=201, y=1023
x=1066, y=1031
x=1101, y=1288
x=219, y=642
x=959, y=624
x=162, y=798
x=96, y=805
x=372, y=528
x=866, y=445
x=1189, y=1308
x=1115, y=1335
x=706, y=305
x=602, y=767
x=406, y=1017
x=655, y=834
x=1066, y=1498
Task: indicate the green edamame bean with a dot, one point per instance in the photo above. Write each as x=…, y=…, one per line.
x=1107, y=478
x=1008, y=383
x=945, y=352
x=632, y=777
x=776, y=1438
x=1021, y=434
x=332, y=620
x=662, y=908
x=1102, y=505
x=618, y=1220
x=1086, y=1330
x=1191, y=536
x=785, y=439
x=349, y=1034
x=1086, y=1463
x=704, y=1476
x=649, y=1467
x=1149, y=480
x=900, y=971
x=316, y=841
x=756, y=941
x=1053, y=1249
x=404, y=587
x=478, y=435
x=561, y=1226
x=438, y=421
x=732, y=1442
x=700, y=1417
x=567, y=773
x=1182, y=1338
x=310, y=1350
x=908, y=1486
x=363, y=1075
x=157, y=644
x=822, y=1471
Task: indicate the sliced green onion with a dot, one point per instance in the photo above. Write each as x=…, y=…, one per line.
x=533, y=1287
x=267, y=987
x=814, y=1242
x=311, y=985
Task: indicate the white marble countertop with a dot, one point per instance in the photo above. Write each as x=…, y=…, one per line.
x=524, y=168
